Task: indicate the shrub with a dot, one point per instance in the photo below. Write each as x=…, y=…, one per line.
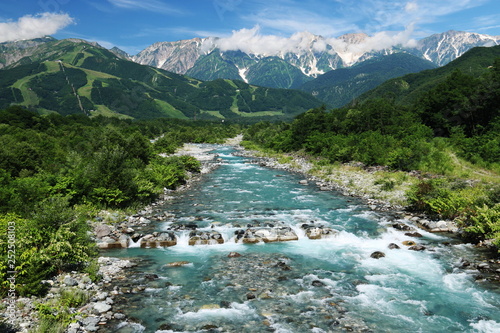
x=484, y=223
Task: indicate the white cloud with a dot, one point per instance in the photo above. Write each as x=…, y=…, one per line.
x=148, y=5
x=251, y=41
x=29, y=27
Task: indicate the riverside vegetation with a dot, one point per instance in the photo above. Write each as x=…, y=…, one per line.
x=448, y=138
x=57, y=172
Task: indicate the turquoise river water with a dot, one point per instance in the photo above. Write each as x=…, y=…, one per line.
x=324, y=285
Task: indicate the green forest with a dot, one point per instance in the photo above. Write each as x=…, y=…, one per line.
x=57, y=172
x=449, y=136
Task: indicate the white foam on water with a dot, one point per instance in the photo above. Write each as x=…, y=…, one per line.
x=307, y=280
x=418, y=265
x=367, y=215
x=226, y=155
x=279, y=328
x=242, y=166
x=388, y=279
x=301, y=297
x=457, y=281
x=133, y=244
x=243, y=191
x=486, y=326
x=482, y=299
x=305, y=198
x=174, y=288
x=152, y=290
x=237, y=312
x=133, y=327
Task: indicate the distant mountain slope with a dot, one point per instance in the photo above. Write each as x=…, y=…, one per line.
x=12, y=52
x=448, y=46
x=341, y=86
x=74, y=76
x=408, y=88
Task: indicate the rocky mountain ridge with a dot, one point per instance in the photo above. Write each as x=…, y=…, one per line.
x=302, y=59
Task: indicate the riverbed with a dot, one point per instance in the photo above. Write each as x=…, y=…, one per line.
x=368, y=274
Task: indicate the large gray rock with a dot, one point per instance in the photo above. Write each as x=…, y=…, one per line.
x=102, y=307
x=318, y=232
x=267, y=235
x=69, y=281
x=198, y=237
x=102, y=230
x=159, y=239
x=91, y=323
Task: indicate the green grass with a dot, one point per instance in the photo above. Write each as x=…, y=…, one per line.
x=260, y=113
x=30, y=97
x=103, y=110
x=214, y=113
x=169, y=110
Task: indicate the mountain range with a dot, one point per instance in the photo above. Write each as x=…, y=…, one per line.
x=290, y=68
x=73, y=76
x=203, y=77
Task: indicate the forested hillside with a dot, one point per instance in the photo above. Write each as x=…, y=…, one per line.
x=75, y=77
x=449, y=135
x=57, y=171
x=339, y=87
x=408, y=89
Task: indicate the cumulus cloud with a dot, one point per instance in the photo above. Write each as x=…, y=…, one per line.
x=28, y=27
x=251, y=41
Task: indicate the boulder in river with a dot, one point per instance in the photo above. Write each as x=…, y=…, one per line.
x=377, y=255
x=417, y=248
x=402, y=227
x=318, y=232
x=110, y=243
x=202, y=237
x=177, y=264
x=266, y=234
x=161, y=239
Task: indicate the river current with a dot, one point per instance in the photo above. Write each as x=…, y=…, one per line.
x=308, y=285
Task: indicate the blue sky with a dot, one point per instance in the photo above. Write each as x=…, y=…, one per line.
x=133, y=25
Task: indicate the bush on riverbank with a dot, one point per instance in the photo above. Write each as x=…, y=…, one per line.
x=474, y=206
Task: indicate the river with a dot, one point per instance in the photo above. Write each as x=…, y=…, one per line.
x=308, y=285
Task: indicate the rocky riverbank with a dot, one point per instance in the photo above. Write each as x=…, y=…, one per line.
x=74, y=296
x=115, y=229
x=110, y=229
x=356, y=181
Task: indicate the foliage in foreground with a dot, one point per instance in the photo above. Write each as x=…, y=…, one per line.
x=55, y=172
